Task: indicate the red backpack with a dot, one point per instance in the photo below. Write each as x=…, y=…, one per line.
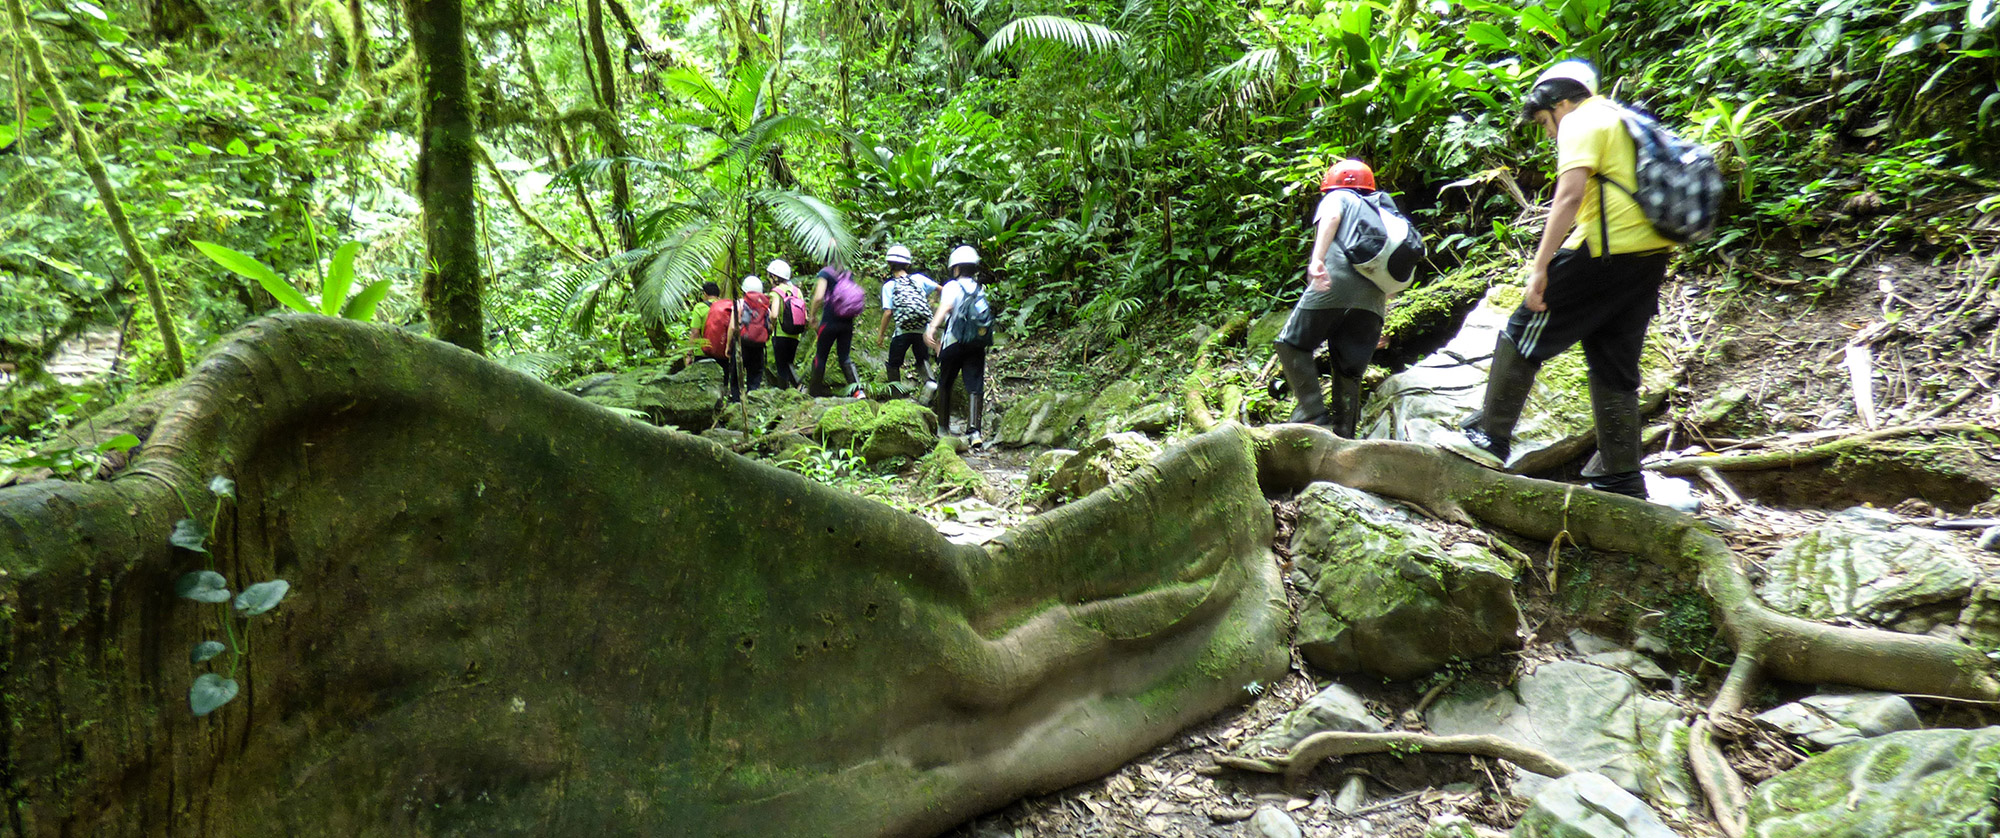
x=715, y=330
x=756, y=318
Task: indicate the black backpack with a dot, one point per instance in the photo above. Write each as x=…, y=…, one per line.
x=1382, y=246
x=1679, y=185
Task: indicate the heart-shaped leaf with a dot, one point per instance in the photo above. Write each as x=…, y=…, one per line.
x=203, y=586
x=188, y=535
x=204, y=650
x=209, y=692
x=261, y=597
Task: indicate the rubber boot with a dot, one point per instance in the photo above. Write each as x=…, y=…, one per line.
x=1303, y=378
x=972, y=434
x=1344, y=413
x=1491, y=428
x=1615, y=466
x=854, y=387
x=816, y=384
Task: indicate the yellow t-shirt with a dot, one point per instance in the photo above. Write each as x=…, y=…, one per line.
x=1593, y=137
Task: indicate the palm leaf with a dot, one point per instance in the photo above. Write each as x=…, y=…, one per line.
x=362, y=306
x=679, y=265
x=815, y=226
x=539, y=365
x=1050, y=32
x=766, y=132
x=339, y=278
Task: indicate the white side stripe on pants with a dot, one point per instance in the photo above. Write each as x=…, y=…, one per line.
x=1532, y=333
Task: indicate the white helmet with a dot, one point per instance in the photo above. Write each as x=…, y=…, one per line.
x=1574, y=69
x=780, y=269
x=964, y=255
x=753, y=285
x=899, y=254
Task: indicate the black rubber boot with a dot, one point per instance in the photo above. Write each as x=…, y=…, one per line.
x=853, y=376
x=816, y=383
x=972, y=433
x=1303, y=378
x=1507, y=384
x=1615, y=466
x=1344, y=413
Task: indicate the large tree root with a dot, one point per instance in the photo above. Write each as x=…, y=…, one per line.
x=1787, y=458
x=1319, y=747
x=1194, y=403
x=1727, y=799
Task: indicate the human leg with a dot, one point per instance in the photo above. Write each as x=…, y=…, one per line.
x=753, y=365
x=1295, y=345
x=816, y=384
x=898, y=345
x=975, y=388
x=1352, y=345
x=948, y=368
x=1613, y=354
x=785, y=351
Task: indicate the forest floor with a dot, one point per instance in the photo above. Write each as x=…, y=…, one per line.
x=1774, y=337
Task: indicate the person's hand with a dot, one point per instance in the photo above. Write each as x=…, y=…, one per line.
x=1316, y=272
x=1538, y=282
x=930, y=340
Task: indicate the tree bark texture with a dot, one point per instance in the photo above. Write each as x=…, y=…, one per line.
x=614, y=138
x=446, y=178
x=513, y=612
x=86, y=153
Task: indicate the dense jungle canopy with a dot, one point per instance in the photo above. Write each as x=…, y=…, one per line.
x=509, y=602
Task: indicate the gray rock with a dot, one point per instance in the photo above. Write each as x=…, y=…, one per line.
x=1272, y=822
x=1868, y=565
x=1929, y=783
x=689, y=399
x=1155, y=418
x=1455, y=825
x=1352, y=796
x=1837, y=719
x=1591, y=718
x=1424, y=403
x=1333, y=708
x=1990, y=540
x=1586, y=643
x=1587, y=805
x=1043, y=467
x=1626, y=660
x=1979, y=623
x=1042, y=419
x=1102, y=463
x=1381, y=594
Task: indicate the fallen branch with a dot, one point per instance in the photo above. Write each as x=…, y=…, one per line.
x=1319, y=747
x=1685, y=466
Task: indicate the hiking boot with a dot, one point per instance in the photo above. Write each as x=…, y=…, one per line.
x=930, y=389
x=1303, y=378
x=1491, y=428
x=974, y=439
x=816, y=383
x=1615, y=466
x=1345, y=411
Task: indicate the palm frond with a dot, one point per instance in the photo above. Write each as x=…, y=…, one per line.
x=815, y=226
x=539, y=365
x=690, y=83
x=586, y=170
x=1051, y=33
x=768, y=131
x=679, y=265
x=746, y=93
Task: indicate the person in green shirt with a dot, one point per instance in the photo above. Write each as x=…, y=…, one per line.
x=1595, y=280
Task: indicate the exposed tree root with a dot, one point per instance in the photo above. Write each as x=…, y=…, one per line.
x=1786, y=647
x=1728, y=800
x=1795, y=457
x=1319, y=747
x=1196, y=405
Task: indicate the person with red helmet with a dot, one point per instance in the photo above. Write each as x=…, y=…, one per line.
x=1339, y=307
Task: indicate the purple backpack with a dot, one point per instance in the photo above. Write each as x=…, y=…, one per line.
x=845, y=299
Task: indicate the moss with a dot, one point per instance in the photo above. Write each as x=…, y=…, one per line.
x=942, y=468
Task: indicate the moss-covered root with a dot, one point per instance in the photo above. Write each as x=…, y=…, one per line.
x=1727, y=798
x=1291, y=456
x=1195, y=384
x=1319, y=747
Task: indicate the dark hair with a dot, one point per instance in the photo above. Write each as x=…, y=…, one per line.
x=711, y=289
x=1551, y=93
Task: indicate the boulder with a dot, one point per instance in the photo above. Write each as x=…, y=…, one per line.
x=942, y=469
x=1263, y=332
x=1272, y=822
x=1868, y=565
x=1123, y=407
x=881, y=432
x=1425, y=403
x=1931, y=783
x=689, y=399
x=1042, y=469
x=1587, y=805
x=1101, y=464
x=1042, y=419
x=1589, y=717
x=1158, y=418
x=1979, y=623
x=1381, y=594
x=1840, y=718
x=1334, y=708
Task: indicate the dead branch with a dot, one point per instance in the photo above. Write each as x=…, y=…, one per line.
x=1314, y=749
x=1686, y=466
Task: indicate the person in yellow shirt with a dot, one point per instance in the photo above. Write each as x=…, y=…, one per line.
x=1595, y=280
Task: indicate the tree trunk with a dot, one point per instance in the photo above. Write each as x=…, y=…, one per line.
x=173, y=20
x=445, y=175
x=607, y=95
x=359, y=61
x=86, y=153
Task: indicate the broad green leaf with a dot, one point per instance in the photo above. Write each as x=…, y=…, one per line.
x=205, y=650
x=339, y=278
x=121, y=442
x=7, y=135
x=238, y=147
x=1486, y=34
x=1037, y=31
x=209, y=692
x=199, y=149
x=1907, y=45
x=202, y=586
x=266, y=147
x=362, y=307
x=188, y=535
x=222, y=487
x=261, y=597
x=1538, y=18
x=247, y=265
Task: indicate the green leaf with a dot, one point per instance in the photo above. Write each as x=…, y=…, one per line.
x=188, y=535
x=238, y=147
x=248, y=266
x=7, y=135
x=1908, y=45
x=1046, y=31
x=1538, y=18
x=222, y=487
x=121, y=442
x=316, y=103
x=166, y=156
x=202, y=586
x=339, y=278
x=209, y=692
x=205, y=650
x=1486, y=34
x=362, y=307
x=815, y=226
x=199, y=149
x=261, y=597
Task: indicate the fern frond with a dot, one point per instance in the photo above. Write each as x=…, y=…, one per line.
x=1051, y=32
x=538, y=365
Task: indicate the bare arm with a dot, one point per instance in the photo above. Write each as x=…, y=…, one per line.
x=819, y=297
x=1322, y=239
x=937, y=320
x=1562, y=216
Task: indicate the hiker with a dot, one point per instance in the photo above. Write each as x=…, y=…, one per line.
x=967, y=322
x=1595, y=280
x=1339, y=307
x=907, y=300
x=789, y=307
x=718, y=333
x=753, y=330
x=837, y=299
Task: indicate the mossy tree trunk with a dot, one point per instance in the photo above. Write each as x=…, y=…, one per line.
x=446, y=176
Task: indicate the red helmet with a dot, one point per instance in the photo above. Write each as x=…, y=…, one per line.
x=1348, y=174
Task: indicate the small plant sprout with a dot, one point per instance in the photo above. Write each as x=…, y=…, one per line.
x=1254, y=688
x=211, y=690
